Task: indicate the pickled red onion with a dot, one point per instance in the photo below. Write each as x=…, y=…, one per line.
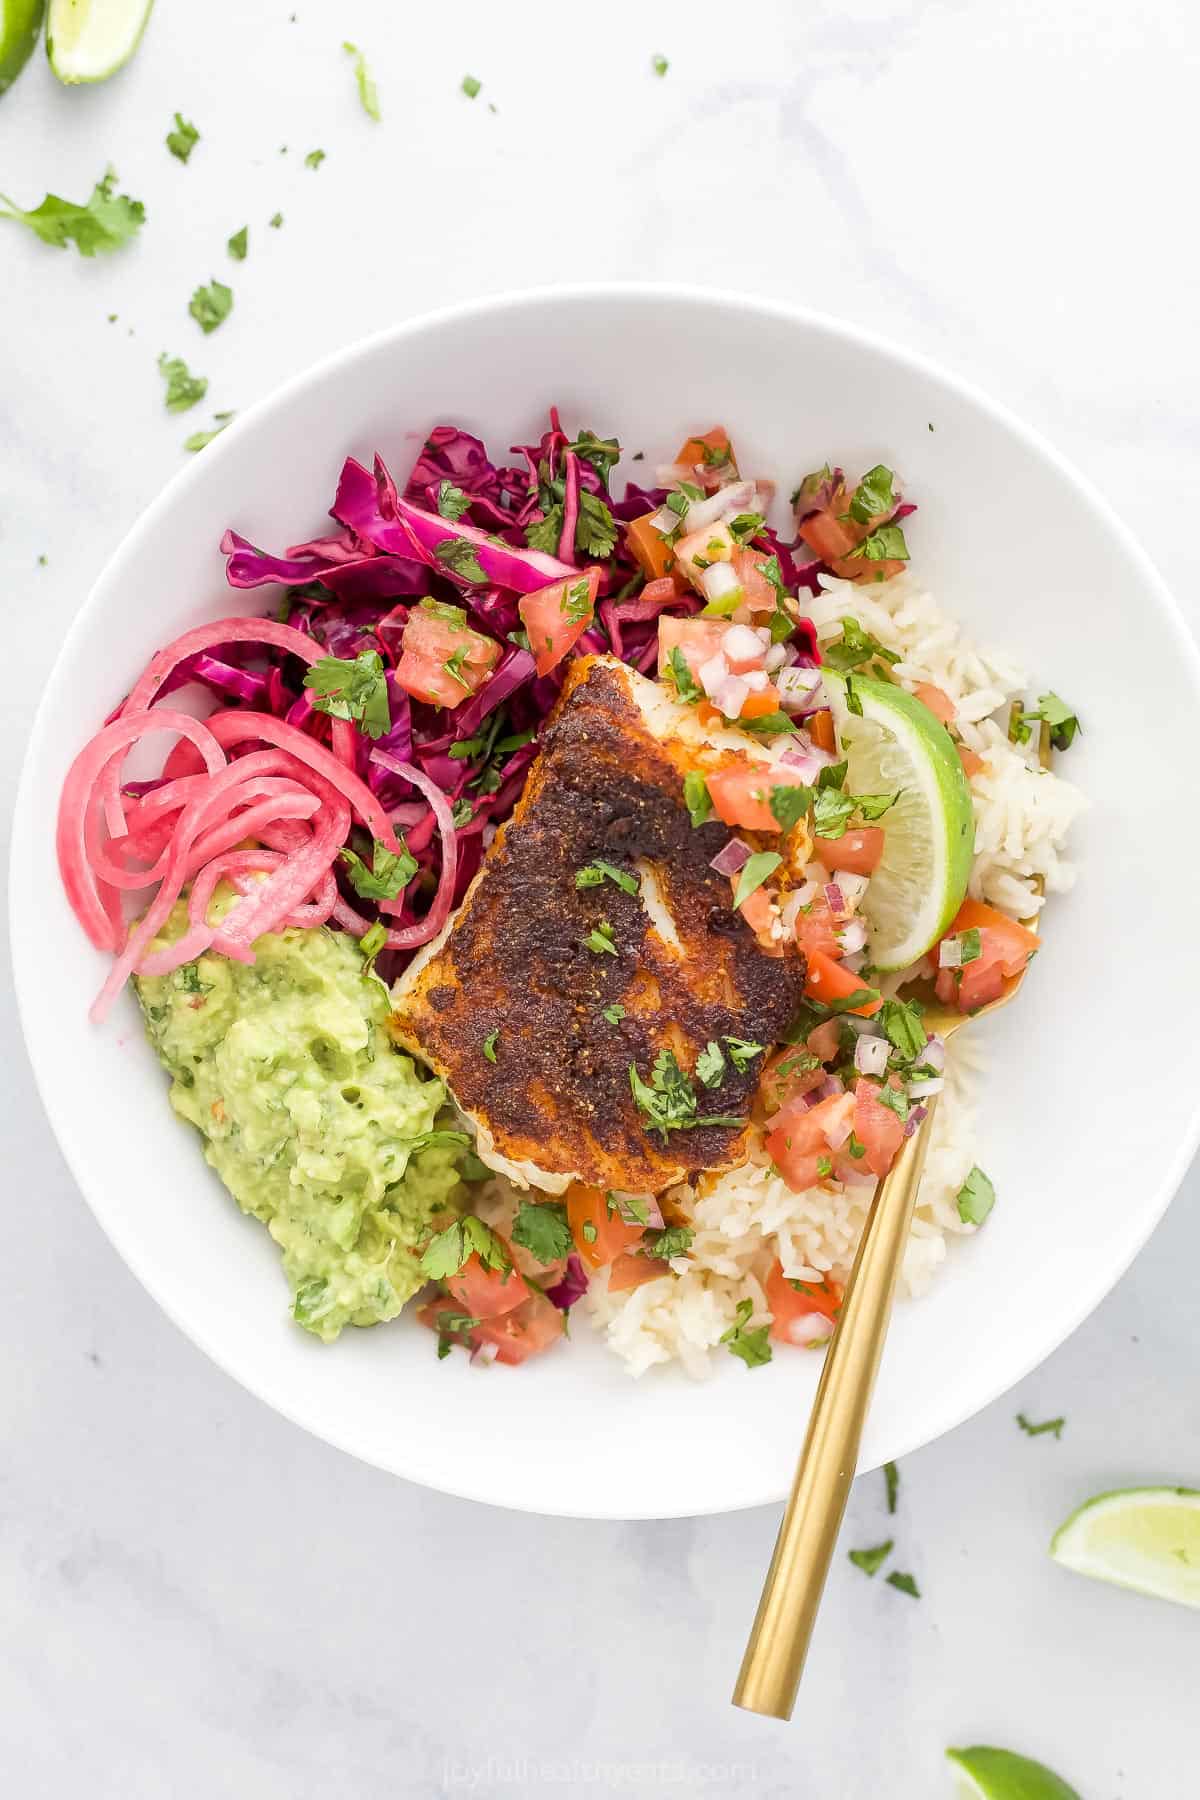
x=410, y=936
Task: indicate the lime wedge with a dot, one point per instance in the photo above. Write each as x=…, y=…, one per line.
x=898, y=746
x=1142, y=1538
x=89, y=40
x=986, y=1774
x=20, y=22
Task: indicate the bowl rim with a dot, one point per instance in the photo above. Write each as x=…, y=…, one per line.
x=667, y=295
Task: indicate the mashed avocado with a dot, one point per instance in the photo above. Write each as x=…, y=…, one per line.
x=311, y=1117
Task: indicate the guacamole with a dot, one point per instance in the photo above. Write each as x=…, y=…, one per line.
x=309, y=1114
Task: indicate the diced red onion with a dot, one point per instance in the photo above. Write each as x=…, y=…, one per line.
x=925, y=1088
x=934, y=1053
x=854, y=961
x=809, y=1328
x=838, y=1130
x=757, y=680
x=726, y=503
x=713, y=675
x=732, y=696
x=850, y=1175
x=835, y=900
x=807, y=763
x=853, y=937
x=484, y=1355
x=950, y=953
x=801, y=691
x=871, y=1055
x=913, y=1120
x=829, y=1089
x=776, y=658
x=740, y=643
x=721, y=581
x=853, y=886
x=732, y=858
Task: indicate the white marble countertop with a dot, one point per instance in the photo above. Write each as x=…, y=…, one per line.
x=195, y=1598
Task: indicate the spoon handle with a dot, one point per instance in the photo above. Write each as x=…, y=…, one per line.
x=774, y=1659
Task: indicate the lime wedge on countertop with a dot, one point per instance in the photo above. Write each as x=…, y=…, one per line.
x=89, y=40
x=987, y=1774
x=1143, y=1538
x=20, y=22
x=929, y=834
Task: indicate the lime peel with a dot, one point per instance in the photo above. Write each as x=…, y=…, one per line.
x=20, y=22
x=989, y=1774
x=89, y=40
x=1147, y=1539
x=929, y=834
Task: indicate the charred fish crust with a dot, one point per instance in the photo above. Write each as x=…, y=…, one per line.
x=580, y=982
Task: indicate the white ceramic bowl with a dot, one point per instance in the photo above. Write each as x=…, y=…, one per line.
x=1090, y=1111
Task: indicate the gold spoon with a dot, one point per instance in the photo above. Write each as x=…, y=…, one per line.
x=774, y=1661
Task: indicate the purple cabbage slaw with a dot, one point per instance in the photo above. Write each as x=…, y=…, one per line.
x=352, y=589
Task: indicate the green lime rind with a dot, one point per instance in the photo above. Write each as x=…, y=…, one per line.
x=1003, y=1775
x=89, y=40
x=929, y=836
x=1146, y=1539
x=20, y=22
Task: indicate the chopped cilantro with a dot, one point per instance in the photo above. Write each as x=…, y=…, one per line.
x=789, y=803
x=970, y=945
x=753, y=1347
x=238, y=244
x=458, y=555
x=576, y=602
x=598, y=871
x=824, y=1166
x=541, y=1228
x=183, y=139
x=857, y=1150
x=754, y=871
x=901, y=1022
x=314, y=159
x=873, y=495
x=602, y=453
x=614, y=1013
x=873, y=806
x=388, y=875
x=544, y=533
x=367, y=92
x=355, y=690
x=746, y=526
x=976, y=1197
x=470, y=86
x=199, y=439
x=832, y=811
x=461, y=813
x=659, y=64
x=871, y=1561
x=696, y=797
x=769, y=724
x=1032, y=1430
x=1062, y=722
x=686, y=686
x=183, y=388
x=210, y=306
x=905, y=1583
x=600, y=941
x=668, y=1101
x=372, y=941
x=742, y=1052
x=885, y=544
x=448, y=1250
x=275, y=221
x=853, y=698
x=710, y=1065
x=590, y=1234
x=489, y=1045
x=672, y=1240
x=104, y=223
x=595, y=528
x=891, y=1476
x=855, y=648
x=452, y=503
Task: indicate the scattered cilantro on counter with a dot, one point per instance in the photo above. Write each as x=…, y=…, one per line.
x=106, y=222
x=659, y=64
x=976, y=1197
x=314, y=159
x=210, y=306
x=891, y=1476
x=470, y=86
x=1032, y=1430
x=368, y=93
x=237, y=244
x=183, y=388
x=905, y=1583
x=871, y=1561
x=199, y=440
x=183, y=139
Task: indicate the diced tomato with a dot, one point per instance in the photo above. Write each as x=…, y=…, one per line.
x=432, y=634
x=820, y=730
x=651, y=552
x=834, y=536
x=741, y=793
x=759, y=913
x=557, y=616
x=662, y=590
x=784, y=1080
x=693, y=448
x=799, y=1143
x=791, y=1303
x=486, y=1293
x=1005, y=948
x=432, y=682
x=972, y=764
x=876, y=1127
x=857, y=568
x=760, y=705
x=630, y=1271
x=707, y=714
x=752, y=659
x=939, y=703
x=816, y=932
x=828, y=981
x=858, y=852
x=699, y=639
x=758, y=593
x=825, y=1041
x=700, y=549
x=526, y=1331
x=600, y=1235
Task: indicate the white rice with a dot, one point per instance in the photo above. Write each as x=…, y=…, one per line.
x=747, y=1217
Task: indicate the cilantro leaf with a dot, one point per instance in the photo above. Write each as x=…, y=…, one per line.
x=448, y=1250
x=238, y=243
x=470, y=86
x=458, y=555
x=710, y=1065
x=183, y=388
x=872, y=496
x=742, y=1052
x=970, y=945
x=598, y=871
x=489, y=1045
x=871, y=1561
x=199, y=439
x=452, y=503
x=1061, y=720
x=388, y=875
x=314, y=159
x=891, y=1476
x=614, y=1013
x=367, y=92
x=753, y=1347
x=855, y=648
x=770, y=724
x=789, y=803
x=677, y=670
x=372, y=941
x=104, y=223
x=754, y=871
x=183, y=140
x=600, y=941
x=1032, y=1430
x=275, y=221
x=885, y=544
x=873, y=806
x=659, y=64
x=668, y=1101
x=461, y=813
x=602, y=453
x=696, y=797
x=595, y=528
x=905, y=1583
x=545, y=533
x=541, y=1228
x=901, y=1022
x=832, y=811
x=672, y=1240
x=356, y=690
x=833, y=775
x=210, y=306
x=976, y=1197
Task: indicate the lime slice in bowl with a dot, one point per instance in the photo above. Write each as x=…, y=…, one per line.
x=987, y=1774
x=20, y=22
x=1142, y=1538
x=89, y=40
x=897, y=745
